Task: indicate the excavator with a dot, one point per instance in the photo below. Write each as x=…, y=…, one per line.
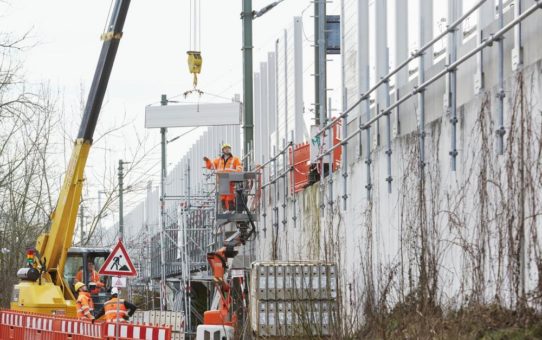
x=46, y=283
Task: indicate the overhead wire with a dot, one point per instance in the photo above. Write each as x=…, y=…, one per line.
x=199, y=28
x=190, y=26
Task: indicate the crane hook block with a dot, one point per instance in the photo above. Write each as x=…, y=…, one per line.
x=194, y=64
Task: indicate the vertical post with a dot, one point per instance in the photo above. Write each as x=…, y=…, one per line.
x=248, y=125
x=284, y=185
x=368, y=161
x=82, y=223
x=452, y=80
x=322, y=70
x=316, y=63
x=121, y=234
x=121, y=203
x=263, y=204
x=163, y=174
x=517, y=51
x=500, y=92
x=486, y=14
x=344, y=161
x=275, y=201
x=330, y=158
x=257, y=146
x=100, y=223
x=401, y=53
x=292, y=182
x=421, y=123
x=188, y=189
x=320, y=26
x=426, y=33
x=185, y=215
x=365, y=111
x=117, y=325
x=382, y=67
x=517, y=62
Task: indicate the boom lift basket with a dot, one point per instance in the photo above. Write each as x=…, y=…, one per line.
x=237, y=196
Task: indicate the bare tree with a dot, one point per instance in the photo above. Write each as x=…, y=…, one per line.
x=26, y=123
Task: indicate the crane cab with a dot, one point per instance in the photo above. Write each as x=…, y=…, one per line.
x=37, y=294
x=77, y=268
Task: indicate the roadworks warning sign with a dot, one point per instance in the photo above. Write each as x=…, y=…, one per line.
x=118, y=263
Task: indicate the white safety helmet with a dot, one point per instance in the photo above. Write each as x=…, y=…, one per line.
x=114, y=291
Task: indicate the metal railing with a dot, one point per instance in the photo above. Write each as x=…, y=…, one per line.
x=453, y=63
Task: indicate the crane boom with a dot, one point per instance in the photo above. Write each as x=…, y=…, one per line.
x=52, y=247
x=64, y=216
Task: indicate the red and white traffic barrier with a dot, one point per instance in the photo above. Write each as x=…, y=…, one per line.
x=85, y=328
x=12, y=319
x=128, y=331
x=22, y=326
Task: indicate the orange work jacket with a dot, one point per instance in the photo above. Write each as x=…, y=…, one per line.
x=232, y=164
x=94, y=277
x=110, y=308
x=220, y=164
x=85, y=306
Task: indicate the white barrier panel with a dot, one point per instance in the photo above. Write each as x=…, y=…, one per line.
x=168, y=318
x=212, y=114
x=129, y=331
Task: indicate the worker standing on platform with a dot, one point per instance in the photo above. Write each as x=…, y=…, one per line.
x=125, y=308
x=94, y=277
x=85, y=305
x=226, y=163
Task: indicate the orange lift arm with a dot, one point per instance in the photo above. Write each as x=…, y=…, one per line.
x=219, y=263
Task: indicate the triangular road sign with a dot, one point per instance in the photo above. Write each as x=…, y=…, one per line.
x=119, y=282
x=118, y=263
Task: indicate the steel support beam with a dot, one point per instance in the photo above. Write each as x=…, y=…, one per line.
x=382, y=69
x=401, y=53
x=163, y=175
x=500, y=92
x=451, y=49
x=364, y=79
x=517, y=51
x=284, y=188
x=329, y=143
x=425, y=59
x=248, y=123
x=344, y=160
x=486, y=14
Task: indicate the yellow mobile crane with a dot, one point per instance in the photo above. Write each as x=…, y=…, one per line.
x=45, y=285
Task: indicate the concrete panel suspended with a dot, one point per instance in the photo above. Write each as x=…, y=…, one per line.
x=192, y=115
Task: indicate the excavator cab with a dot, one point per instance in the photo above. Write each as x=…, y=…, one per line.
x=77, y=269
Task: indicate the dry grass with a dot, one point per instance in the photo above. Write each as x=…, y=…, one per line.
x=477, y=322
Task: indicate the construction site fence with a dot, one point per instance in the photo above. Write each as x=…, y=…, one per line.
x=175, y=319
x=29, y=326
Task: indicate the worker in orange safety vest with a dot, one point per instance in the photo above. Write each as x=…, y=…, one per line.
x=125, y=308
x=85, y=305
x=94, y=277
x=226, y=163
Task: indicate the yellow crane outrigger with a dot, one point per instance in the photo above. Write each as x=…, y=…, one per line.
x=43, y=287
